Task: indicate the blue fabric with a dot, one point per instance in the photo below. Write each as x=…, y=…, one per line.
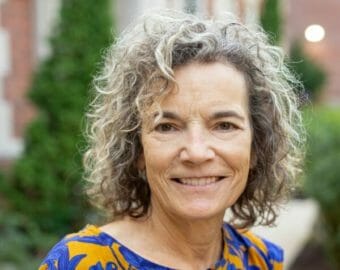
x=95, y=250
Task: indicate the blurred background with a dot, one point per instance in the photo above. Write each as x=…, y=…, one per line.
x=49, y=52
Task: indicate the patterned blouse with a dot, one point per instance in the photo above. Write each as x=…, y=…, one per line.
x=95, y=250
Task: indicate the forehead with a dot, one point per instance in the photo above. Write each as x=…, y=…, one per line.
x=204, y=86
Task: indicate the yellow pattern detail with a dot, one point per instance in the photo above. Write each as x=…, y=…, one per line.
x=277, y=265
x=236, y=261
x=255, y=260
x=94, y=253
x=256, y=241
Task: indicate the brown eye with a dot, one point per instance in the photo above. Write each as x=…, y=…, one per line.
x=225, y=126
x=165, y=127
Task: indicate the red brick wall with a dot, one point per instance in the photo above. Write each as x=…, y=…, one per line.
x=300, y=14
x=17, y=19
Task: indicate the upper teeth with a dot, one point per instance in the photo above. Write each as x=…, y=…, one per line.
x=202, y=181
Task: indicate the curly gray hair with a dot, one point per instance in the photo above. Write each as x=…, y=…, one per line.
x=144, y=56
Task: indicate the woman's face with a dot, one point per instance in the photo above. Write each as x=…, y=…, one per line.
x=197, y=154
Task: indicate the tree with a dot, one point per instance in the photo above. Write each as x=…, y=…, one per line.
x=43, y=193
x=311, y=74
x=322, y=173
x=271, y=19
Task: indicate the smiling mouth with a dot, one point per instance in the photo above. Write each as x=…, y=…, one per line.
x=198, y=181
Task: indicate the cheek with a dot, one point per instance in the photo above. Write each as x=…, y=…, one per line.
x=156, y=165
x=240, y=164
x=157, y=176
x=158, y=156
x=239, y=155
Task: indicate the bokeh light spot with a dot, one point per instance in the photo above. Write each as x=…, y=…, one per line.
x=315, y=33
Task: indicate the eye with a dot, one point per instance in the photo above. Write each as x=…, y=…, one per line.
x=165, y=127
x=225, y=126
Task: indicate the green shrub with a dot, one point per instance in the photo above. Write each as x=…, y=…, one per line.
x=43, y=193
x=271, y=19
x=323, y=172
x=311, y=74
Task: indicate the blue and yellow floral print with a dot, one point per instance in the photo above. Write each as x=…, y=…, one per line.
x=95, y=250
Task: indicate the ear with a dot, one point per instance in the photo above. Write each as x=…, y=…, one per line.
x=141, y=162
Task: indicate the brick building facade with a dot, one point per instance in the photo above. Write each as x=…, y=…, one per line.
x=15, y=73
x=24, y=27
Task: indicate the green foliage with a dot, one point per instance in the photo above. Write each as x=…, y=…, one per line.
x=20, y=239
x=43, y=194
x=311, y=74
x=271, y=19
x=323, y=170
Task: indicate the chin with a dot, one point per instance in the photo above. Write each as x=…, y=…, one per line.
x=201, y=211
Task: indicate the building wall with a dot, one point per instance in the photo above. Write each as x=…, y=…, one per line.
x=15, y=77
x=300, y=14
x=44, y=21
x=248, y=10
x=25, y=26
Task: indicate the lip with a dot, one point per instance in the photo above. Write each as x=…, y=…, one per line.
x=210, y=188
x=175, y=176
x=201, y=181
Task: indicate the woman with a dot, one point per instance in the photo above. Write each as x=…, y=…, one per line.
x=191, y=117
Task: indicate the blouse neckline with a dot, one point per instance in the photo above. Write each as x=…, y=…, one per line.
x=231, y=247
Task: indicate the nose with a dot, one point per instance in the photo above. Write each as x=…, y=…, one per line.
x=197, y=147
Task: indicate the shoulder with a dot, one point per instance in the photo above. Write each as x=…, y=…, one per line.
x=254, y=250
x=86, y=249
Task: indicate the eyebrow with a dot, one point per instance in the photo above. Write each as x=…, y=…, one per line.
x=216, y=115
x=225, y=114
x=170, y=115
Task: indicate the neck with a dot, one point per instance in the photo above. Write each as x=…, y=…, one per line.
x=196, y=242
